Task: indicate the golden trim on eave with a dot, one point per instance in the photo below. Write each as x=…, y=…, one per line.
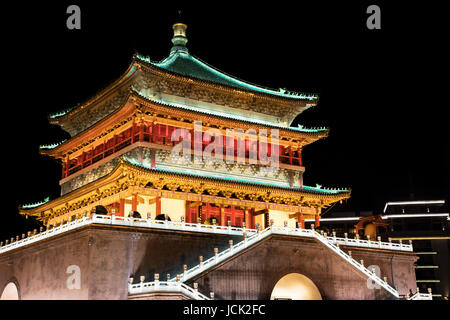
x=127, y=179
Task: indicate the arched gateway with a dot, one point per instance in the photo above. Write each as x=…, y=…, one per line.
x=10, y=292
x=295, y=286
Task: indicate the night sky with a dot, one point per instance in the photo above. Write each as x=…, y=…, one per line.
x=382, y=92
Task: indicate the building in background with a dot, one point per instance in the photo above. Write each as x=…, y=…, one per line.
x=425, y=224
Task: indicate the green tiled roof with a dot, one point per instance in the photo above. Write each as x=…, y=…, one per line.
x=180, y=61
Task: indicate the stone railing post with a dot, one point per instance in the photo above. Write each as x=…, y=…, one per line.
x=141, y=284
x=156, y=277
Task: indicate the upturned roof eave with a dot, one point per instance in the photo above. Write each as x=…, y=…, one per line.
x=131, y=70
x=123, y=164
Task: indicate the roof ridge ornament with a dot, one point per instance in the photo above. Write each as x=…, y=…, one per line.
x=179, y=39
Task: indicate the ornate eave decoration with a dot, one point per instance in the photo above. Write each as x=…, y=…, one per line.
x=127, y=179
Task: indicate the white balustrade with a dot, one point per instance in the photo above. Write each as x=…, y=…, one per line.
x=194, y=227
x=421, y=296
x=165, y=286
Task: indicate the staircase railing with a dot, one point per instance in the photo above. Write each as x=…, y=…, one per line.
x=255, y=238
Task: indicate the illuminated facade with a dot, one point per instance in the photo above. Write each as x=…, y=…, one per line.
x=131, y=207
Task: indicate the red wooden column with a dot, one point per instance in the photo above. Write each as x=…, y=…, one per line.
x=67, y=165
x=121, y=208
x=63, y=173
x=300, y=220
x=247, y=219
x=252, y=217
x=150, y=133
x=317, y=221
x=290, y=155
x=222, y=216
x=266, y=219
x=141, y=130
x=134, y=201
x=187, y=211
x=158, y=206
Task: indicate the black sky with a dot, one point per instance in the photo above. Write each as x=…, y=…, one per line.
x=382, y=92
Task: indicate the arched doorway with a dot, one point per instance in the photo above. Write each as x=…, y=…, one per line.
x=10, y=292
x=163, y=217
x=295, y=286
x=101, y=210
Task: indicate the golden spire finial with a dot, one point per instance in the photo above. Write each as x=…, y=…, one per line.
x=179, y=39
